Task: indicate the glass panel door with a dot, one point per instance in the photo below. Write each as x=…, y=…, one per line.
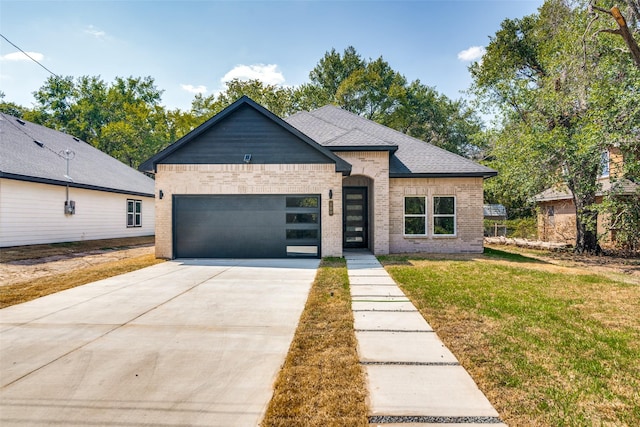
x=355, y=220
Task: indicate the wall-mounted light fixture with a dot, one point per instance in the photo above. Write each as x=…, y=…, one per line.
x=161, y=194
x=247, y=158
x=330, y=194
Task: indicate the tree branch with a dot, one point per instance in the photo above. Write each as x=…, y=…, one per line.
x=623, y=30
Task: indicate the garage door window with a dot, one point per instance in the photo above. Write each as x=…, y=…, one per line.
x=303, y=225
x=302, y=202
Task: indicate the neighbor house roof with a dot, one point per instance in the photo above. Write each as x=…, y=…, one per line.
x=150, y=164
x=561, y=192
x=494, y=210
x=340, y=130
x=30, y=152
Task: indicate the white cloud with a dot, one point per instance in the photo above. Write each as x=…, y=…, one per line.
x=266, y=73
x=19, y=56
x=95, y=32
x=194, y=89
x=472, y=54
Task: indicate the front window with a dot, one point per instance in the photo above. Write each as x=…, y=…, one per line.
x=604, y=163
x=444, y=216
x=134, y=213
x=415, y=216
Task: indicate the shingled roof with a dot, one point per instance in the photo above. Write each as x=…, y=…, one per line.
x=340, y=130
x=30, y=152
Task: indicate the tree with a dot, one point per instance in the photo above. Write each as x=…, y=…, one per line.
x=124, y=119
x=560, y=104
x=11, y=108
x=277, y=99
x=628, y=34
x=373, y=89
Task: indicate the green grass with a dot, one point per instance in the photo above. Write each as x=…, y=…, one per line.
x=548, y=348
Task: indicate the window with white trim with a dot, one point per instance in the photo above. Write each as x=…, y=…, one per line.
x=134, y=213
x=415, y=216
x=444, y=216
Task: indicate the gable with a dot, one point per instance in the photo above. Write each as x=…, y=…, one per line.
x=242, y=128
x=246, y=131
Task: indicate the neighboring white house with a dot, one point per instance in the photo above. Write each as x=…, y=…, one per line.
x=45, y=198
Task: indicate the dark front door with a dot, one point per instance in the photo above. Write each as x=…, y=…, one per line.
x=355, y=217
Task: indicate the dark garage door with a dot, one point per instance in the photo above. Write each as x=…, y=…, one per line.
x=247, y=226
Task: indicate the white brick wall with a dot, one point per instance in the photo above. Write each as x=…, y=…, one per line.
x=469, y=215
x=250, y=179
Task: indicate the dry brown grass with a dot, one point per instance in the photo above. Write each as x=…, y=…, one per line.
x=321, y=382
x=17, y=253
x=26, y=291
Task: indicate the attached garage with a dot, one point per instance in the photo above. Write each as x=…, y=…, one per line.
x=246, y=226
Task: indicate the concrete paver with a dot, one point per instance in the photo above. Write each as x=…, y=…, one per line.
x=401, y=390
x=191, y=342
x=413, y=379
x=390, y=321
x=359, y=291
x=395, y=347
x=371, y=280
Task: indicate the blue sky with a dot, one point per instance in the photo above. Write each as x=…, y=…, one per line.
x=194, y=46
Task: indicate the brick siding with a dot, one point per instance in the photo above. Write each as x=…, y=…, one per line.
x=469, y=215
x=250, y=179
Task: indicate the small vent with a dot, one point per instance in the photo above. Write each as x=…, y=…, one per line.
x=39, y=144
x=76, y=139
x=22, y=122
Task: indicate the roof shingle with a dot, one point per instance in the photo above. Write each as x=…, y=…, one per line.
x=334, y=127
x=22, y=158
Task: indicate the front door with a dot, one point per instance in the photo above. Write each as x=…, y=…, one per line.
x=355, y=217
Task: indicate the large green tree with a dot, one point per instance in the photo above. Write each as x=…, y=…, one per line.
x=373, y=89
x=561, y=99
x=124, y=118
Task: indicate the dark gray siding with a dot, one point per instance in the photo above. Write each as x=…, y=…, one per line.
x=246, y=132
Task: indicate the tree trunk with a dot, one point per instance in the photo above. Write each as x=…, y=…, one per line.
x=586, y=237
x=586, y=226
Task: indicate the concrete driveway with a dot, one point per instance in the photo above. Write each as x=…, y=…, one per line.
x=186, y=342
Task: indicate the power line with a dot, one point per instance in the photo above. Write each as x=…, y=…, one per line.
x=28, y=56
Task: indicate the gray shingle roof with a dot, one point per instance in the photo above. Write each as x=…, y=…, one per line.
x=621, y=186
x=22, y=158
x=494, y=210
x=336, y=129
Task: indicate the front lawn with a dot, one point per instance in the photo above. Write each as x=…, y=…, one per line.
x=548, y=347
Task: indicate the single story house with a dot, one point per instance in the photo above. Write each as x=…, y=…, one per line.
x=247, y=183
x=45, y=198
x=557, y=211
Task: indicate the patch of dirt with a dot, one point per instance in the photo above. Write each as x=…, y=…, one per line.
x=12, y=272
x=617, y=268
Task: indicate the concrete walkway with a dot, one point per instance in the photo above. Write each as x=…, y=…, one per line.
x=187, y=342
x=413, y=378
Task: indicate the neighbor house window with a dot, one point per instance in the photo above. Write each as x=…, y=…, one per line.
x=444, y=216
x=604, y=163
x=134, y=213
x=415, y=216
